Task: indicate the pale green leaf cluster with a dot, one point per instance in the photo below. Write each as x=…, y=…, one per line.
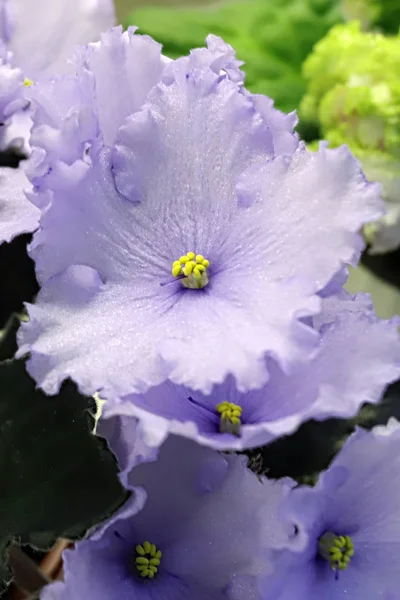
x=353, y=97
x=354, y=89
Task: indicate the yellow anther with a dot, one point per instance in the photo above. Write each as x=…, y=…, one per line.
x=230, y=417
x=189, y=267
x=147, y=559
x=336, y=549
x=192, y=269
x=27, y=82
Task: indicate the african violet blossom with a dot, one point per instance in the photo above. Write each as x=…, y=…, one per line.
x=42, y=33
x=196, y=189
x=36, y=36
x=353, y=341
x=39, y=36
x=351, y=523
x=17, y=215
x=195, y=531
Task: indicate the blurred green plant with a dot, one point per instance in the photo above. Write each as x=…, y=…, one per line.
x=353, y=97
x=381, y=14
x=273, y=38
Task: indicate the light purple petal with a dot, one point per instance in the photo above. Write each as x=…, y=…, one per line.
x=127, y=440
x=75, y=115
x=203, y=518
x=12, y=92
x=358, y=496
x=132, y=244
x=315, y=204
x=219, y=56
x=128, y=63
x=43, y=33
x=221, y=520
x=54, y=591
x=369, y=498
x=280, y=124
x=17, y=131
x=353, y=341
x=17, y=214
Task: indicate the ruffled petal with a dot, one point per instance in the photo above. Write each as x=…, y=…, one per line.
x=11, y=86
x=186, y=516
x=43, y=34
x=368, y=499
x=75, y=115
x=219, y=56
x=357, y=496
x=315, y=205
x=353, y=340
x=17, y=214
x=128, y=63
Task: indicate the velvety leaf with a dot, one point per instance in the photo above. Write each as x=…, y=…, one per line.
x=8, y=338
x=17, y=277
x=57, y=478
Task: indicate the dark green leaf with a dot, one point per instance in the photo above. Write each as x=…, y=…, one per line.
x=8, y=338
x=57, y=478
x=17, y=276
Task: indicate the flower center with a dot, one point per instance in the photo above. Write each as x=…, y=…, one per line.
x=230, y=417
x=192, y=270
x=147, y=559
x=336, y=549
x=28, y=82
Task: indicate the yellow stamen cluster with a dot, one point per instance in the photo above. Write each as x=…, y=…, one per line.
x=193, y=270
x=336, y=549
x=28, y=82
x=341, y=552
x=230, y=417
x=147, y=559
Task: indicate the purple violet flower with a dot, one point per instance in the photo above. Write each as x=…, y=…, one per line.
x=188, y=247
x=36, y=37
x=352, y=341
x=42, y=33
x=195, y=533
x=351, y=521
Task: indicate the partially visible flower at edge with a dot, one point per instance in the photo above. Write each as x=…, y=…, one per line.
x=353, y=341
x=190, y=531
x=36, y=37
x=351, y=519
x=355, y=99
